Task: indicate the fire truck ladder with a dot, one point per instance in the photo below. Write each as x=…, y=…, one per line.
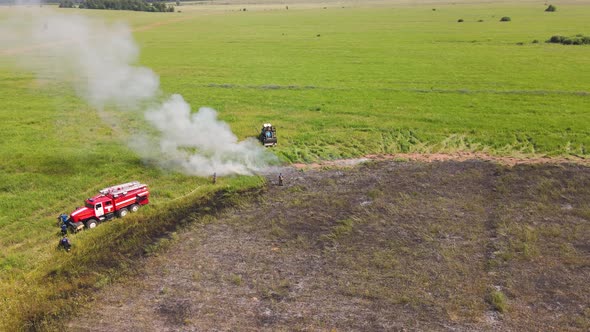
x=122, y=188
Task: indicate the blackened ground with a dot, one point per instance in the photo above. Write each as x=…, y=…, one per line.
x=384, y=246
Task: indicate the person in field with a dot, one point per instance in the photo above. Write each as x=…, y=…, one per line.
x=65, y=243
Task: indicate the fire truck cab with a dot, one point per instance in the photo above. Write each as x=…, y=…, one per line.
x=115, y=201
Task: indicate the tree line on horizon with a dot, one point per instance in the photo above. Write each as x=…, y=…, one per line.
x=135, y=5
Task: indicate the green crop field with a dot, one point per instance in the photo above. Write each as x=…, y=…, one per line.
x=338, y=81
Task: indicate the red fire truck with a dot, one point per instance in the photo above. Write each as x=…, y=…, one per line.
x=113, y=201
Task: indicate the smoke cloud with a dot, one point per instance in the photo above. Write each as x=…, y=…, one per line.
x=199, y=143
x=99, y=60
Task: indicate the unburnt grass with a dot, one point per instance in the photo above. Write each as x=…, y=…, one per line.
x=382, y=246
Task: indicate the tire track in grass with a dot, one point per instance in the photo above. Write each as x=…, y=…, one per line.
x=158, y=24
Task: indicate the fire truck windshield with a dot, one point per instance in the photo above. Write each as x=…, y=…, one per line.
x=90, y=206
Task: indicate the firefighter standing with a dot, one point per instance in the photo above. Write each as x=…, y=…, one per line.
x=63, y=223
x=280, y=179
x=63, y=218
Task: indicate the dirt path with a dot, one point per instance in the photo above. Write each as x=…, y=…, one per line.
x=382, y=246
x=440, y=157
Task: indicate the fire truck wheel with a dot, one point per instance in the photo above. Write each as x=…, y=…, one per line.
x=123, y=212
x=134, y=208
x=91, y=223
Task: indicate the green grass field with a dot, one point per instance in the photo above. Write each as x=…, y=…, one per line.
x=386, y=80
x=337, y=82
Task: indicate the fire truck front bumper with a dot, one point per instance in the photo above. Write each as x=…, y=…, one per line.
x=75, y=226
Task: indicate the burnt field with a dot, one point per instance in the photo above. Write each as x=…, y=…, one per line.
x=383, y=246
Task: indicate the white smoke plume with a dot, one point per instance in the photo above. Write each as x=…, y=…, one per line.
x=99, y=59
x=199, y=143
